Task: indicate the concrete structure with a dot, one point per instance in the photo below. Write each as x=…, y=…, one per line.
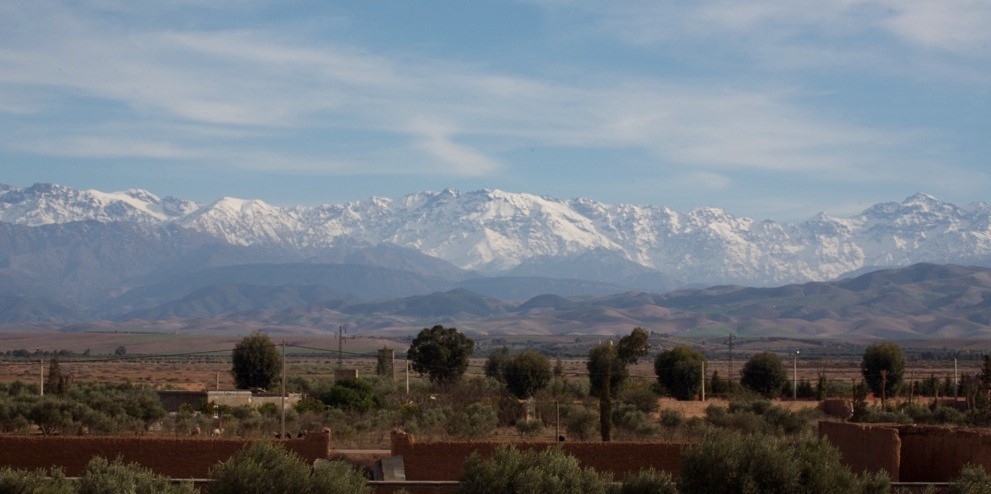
x=173, y=400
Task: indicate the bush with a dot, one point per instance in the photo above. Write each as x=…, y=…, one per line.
x=736, y=463
x=972, y=480
x=105, y=477
x=35, y=481
x=580, y=422
x=649, y=481
x=640, y=395
x=634, y=422
x=266, y=468
x=353, y=395
x=672, y=418
x=529, y=428
x=337, y=477
x=474, y=421
x=550, y=471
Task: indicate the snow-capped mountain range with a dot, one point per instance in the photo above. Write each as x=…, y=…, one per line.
x=496, y=232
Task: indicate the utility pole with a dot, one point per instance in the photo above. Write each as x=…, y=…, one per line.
x=911, y=386
x=956, y=379
x=340, y=347
x=703, y=380
x=729, y=343
x=794, y=381
x=282, y=427
x=884, y=389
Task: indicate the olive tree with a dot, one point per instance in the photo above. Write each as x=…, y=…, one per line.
x=257, y=362
x=765, y=374
x=679, y=370
x=266, y=468
x=547, y=471
x=495, y=365
x=883, y=366
x=526, y=373
x=440, y=353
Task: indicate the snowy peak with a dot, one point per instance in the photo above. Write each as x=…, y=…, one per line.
x=44, y=203
x=246, y=222
x=495, y=231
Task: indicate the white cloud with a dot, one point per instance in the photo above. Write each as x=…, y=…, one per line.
x=244, y=86
x=952, y=25
x=435, y=139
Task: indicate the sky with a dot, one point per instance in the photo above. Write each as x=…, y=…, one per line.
x=768, y=109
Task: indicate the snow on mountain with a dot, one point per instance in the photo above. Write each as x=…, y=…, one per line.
x=43, y=204
x=494, y=231
x=243, y=222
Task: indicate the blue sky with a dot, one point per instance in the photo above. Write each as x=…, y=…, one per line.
x=770, y=109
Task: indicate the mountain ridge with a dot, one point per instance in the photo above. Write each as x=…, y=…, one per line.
x=502, y=233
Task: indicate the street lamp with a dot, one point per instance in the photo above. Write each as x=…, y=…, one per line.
x=794, y=382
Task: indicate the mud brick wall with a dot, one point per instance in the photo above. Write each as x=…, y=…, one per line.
x=176, y=458
x=837, y=407
x=444, y=460
x=936, y=454
x=866, y=446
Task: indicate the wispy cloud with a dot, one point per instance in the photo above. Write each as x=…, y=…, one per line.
x=221, y=95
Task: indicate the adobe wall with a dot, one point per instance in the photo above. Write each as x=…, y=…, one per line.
x=870, y=447
x=172, y=457
x=936, y=454
x=444, y=460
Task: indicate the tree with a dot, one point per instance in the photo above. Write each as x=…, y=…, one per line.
x=547, y=471
x=55, y=382
x=883, y=367
x=266, y=468
x=633, y=346
x=607, y=372
x=765, y=374
x=257, y=363
x=679, y=370
x=441, y=353
x=730, y=462
x=527, y=372
x=495, y=365
x=352, y=395
x=104, y=476
x=120, y=351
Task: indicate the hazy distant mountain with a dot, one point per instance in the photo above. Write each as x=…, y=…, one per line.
x=500, y=233
x=506, y=261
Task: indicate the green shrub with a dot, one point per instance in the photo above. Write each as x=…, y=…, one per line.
x=35, y=481
x=266, y=468
x=353, y=395
x=529, y=428
x=581, y=422
x=640, y=395
x=727, y=462
x=550, y=471
x=628, y=418
x=671, y=418
x=106, y=477
x=972, y=480
x=474, y=421
x=337, y=477
x=649, y=481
